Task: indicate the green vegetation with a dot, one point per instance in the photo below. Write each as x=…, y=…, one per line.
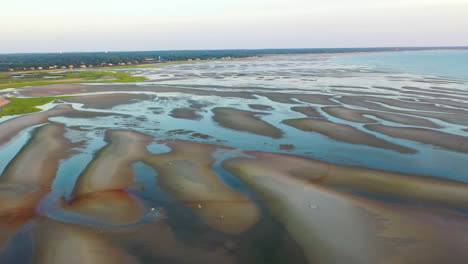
x=18, y=80
x=20, y=106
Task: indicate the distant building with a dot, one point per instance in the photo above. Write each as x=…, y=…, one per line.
x=129, y=63
x=90, y=66
x=52, y=67
x=110, y=64
x=39, y=68
x=83, y=66
x=63, y=67
x=10, y=70
x=122, y=63
x=197, y=59
x=189, y=60
x=71, y=66
x=31, y=68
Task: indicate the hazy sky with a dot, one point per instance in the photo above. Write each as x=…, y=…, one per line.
x=98, y=25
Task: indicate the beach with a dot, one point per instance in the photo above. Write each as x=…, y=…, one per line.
x=299, y=159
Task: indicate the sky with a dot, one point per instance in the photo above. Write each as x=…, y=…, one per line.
x=117, y=25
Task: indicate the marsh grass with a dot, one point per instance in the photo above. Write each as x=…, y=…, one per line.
x=61, y=77
x=19, y=106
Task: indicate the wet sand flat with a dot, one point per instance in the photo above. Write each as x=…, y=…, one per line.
x=358, y=116
x=245, y=121
x=377, y=182
x=74, y=89
x=107, y=101
x=111, y=169
x=29, y=176
x=313, y=213
x=372, y=103
x=42, y=154
x=307, y=111
x=344, y=133
x=186, y=174
x=426, y=136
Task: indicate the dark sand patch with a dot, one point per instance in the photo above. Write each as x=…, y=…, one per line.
x=185, y=113
x=344, y=133
x=307, y=111
x=357, y=116
x=111, y=168
x=186, y=174
x=245, y=121
x=426, y=136
x=260, y=107
x=107, y=101
x=286, y=147
x=190, y=133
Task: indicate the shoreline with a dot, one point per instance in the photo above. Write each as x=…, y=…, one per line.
x=137, y=66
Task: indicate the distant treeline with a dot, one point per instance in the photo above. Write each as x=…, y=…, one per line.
x=25, y=61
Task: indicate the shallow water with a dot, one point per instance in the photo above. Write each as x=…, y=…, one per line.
x=216, y=200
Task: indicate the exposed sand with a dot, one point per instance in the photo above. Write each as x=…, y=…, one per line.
x=334, y=227
x=185, y=113
x=337, y=224
x=419, y=188
x=344, y=133
x=307, y=111
x=186, y=174
x=57, y=243
x=287, y=98
x=427, y=136
x=107, y=101
x=27, y=179
x=111, y=168
x=42, y=155
x=357, y=116
x=245, y=121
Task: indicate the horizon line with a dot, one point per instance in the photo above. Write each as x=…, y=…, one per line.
x=240, y=49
